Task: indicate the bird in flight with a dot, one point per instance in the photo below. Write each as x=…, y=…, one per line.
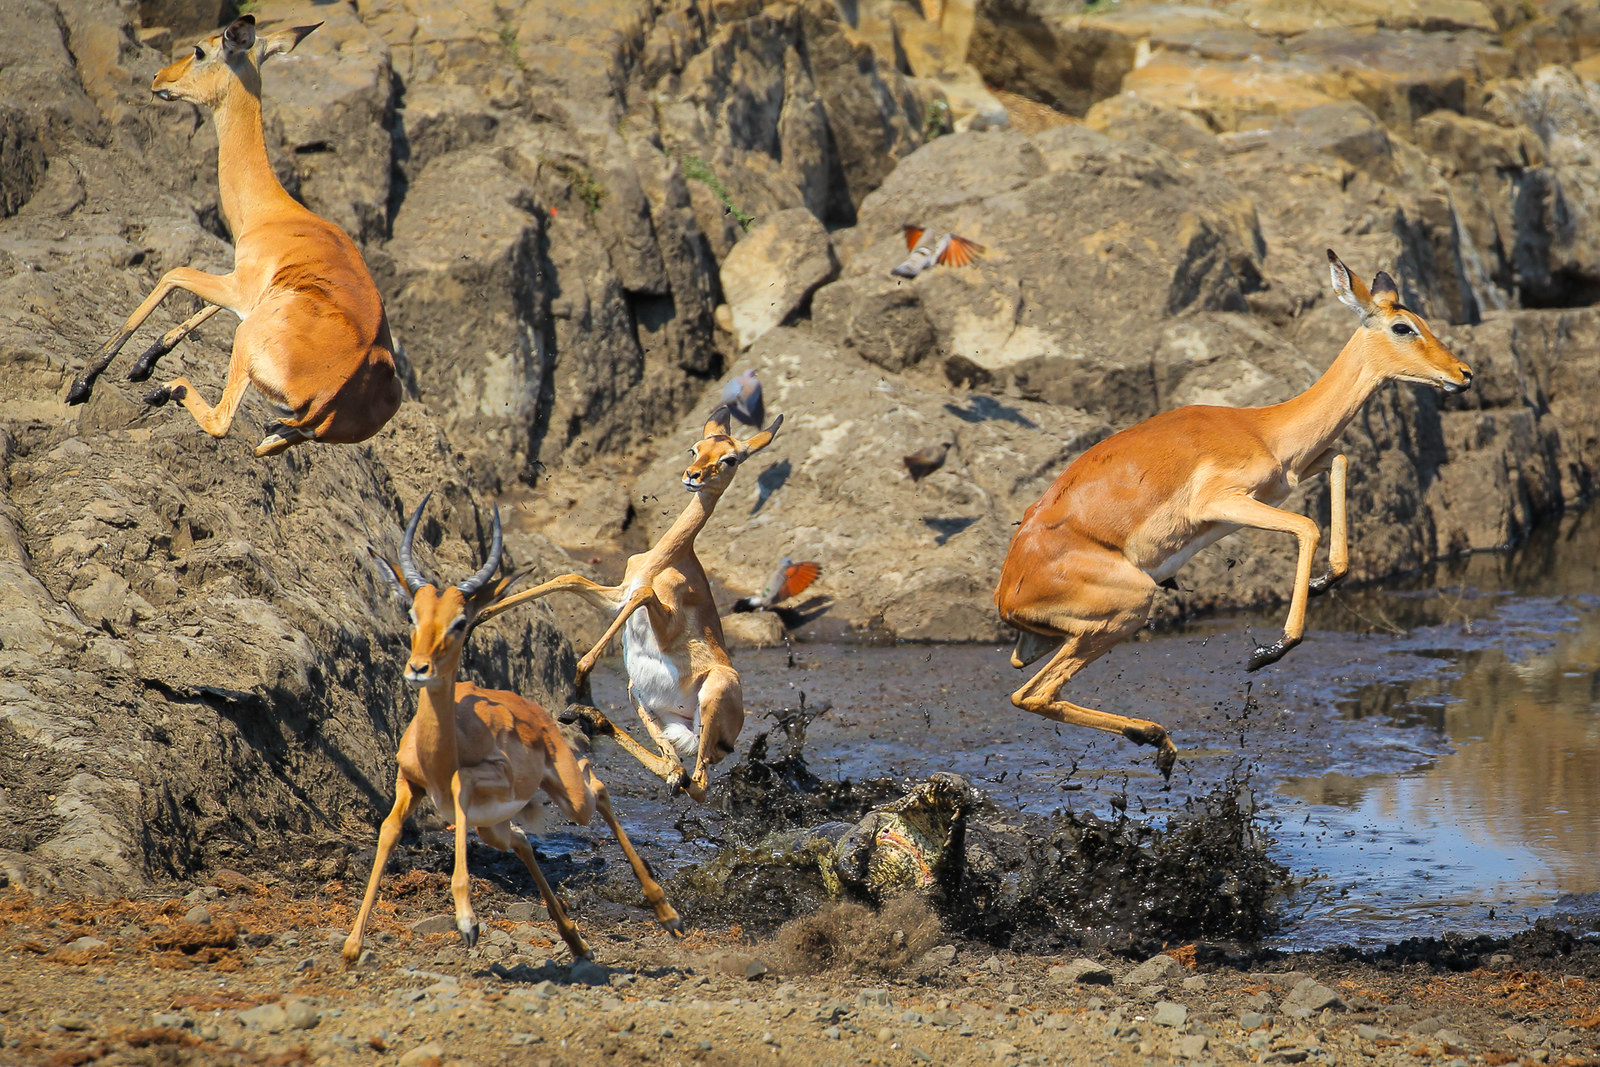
x=742, y=394
x=790, y=579
x=928, y=248
x=924, y=461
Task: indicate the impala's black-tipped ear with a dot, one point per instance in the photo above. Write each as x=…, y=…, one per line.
x=240, y=36
x=285, y=40
x=719, y=424
x=1384, y=291
x=1348, y=288
x=391, y=572
x=762, y=439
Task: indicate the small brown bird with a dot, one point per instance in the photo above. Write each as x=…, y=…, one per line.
x=788, y=580
x=928, y=248
x=924, y=461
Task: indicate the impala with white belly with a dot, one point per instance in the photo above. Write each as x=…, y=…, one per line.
x=683, y=684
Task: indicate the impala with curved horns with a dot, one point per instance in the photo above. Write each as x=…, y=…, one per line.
x=483, y=755
x=680, y=676
x=313, y=337
x=1085, y=563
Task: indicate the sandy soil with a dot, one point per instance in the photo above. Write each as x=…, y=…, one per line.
x=256, y=979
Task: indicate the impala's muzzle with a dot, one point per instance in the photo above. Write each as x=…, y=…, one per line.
x=419, y=675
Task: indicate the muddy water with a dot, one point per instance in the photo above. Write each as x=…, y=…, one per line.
x=1426, y=760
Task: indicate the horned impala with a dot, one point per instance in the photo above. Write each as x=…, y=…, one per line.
x=483, y=755
x=1084, y=564
x=680, y=677
x=312, y=335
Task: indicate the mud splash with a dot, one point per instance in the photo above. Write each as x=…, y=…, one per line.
x=792, y=842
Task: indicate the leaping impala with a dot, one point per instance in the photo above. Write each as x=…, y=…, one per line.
x=312, y=336
x=1084, y=564
x=483, y=755
x=679, y=674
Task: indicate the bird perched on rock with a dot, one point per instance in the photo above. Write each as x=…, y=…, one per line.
x=742, y=395
x=928, y=248
x=790, y=579
x=924, y=461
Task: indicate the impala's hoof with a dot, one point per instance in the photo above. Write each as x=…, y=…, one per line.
x=161, y=394
x=1265, y=654
x=674, y=926
x=1325, y=583
x=469, y=932
x=146, y=363
x=80, y=390
x=1166, y=758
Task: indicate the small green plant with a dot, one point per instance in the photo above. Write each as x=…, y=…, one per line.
x=579, y=180
x=246, y=7
x=508, y=40
x=697, y=169
x=937, y=122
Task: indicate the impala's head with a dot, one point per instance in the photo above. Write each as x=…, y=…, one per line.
x=1396, y=339
x=718, y=454
x=216, y=64
x=442, y=618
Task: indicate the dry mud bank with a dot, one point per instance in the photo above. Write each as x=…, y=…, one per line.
x=260, y=983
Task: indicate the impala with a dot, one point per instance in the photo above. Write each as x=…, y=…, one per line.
x=483, y=755
x=680, y=677
x=312, y=336
x=1085, y=562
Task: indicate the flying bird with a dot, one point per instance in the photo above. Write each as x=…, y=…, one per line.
x=924, y=461
x=928, y=248
x=790, y=579
x=742, y=395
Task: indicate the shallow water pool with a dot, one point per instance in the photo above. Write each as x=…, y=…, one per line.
x=1426, y=760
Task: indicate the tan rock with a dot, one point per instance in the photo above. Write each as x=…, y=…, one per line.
x=774, y=270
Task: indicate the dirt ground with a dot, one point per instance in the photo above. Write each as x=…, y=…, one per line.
x=241, y=972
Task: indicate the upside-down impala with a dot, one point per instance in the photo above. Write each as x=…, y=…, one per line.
x=312, y=335
x=680, y=676
x=483, y=755
x=1085, y=563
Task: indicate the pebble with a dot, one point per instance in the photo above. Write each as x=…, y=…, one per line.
x=1372, y=1033
x=264, y=1017
x=202, y=895
x=199, y=915
x=527, y=911
x=1190, y=1046
x=1254, y=1020
x=1082, y=972
x=994, y=965
x=587, y=972
x=885, y=1034
x=705, y=1046
x=665, y=1031
x=422, y=1054
x=171, y=1021
x=873, y=998
x=85, y=943
x=1158, y=969
x=1501, y=962
x=939, y=956
x=301, y=1016
x=306, y=964
x=833, y=1033
x=1194, y=983
x=1168, y=1013
x=434, y=924
x=74, y=1023
x=1309, y=997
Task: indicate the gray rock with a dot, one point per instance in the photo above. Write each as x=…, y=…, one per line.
x=199, y=915
x=171, y=1020
x=527, y=911
x=1251, y=1020
x=773, y=270
x=939, y=956
x=87, y=943
x=1168, y=1013
x=264, y=1017
x=1501, y=962
x=1080, y=972
x=1367, y=1032
x=1190, y=1046
x=1309, y=997
x=1157, y=970
x=588, y=972
x=73, y=1023
x=873, y=998
x=298, y=1015
x=434, y=924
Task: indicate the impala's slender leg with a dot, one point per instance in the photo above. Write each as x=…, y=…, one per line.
x=388, y=834
x=1338, y=530
x=666, y=914
x=604, y=597
x=640, y=598
x=508, y=838
x=721, y=719
x=212, y=288
x=1090, y=600
x=247, y=343
x=1247, y=511
x=667, y=769
x=460, y=880
x=168, y=341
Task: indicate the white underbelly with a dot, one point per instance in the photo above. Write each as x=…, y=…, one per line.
x=1174, y=563
x=656, y=680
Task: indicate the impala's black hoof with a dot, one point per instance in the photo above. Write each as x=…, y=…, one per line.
x=158, y=396
x=1266, y=654
x=146, y=363
x=469, y=934
x=80, y=391
x=1326, y=582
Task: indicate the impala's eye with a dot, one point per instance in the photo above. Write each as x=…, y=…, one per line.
x=459, y=625
x=1402, y=329
x=199, y=53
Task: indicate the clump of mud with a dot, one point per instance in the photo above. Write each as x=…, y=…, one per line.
x=856, y=939
x=790, y=844
x=1037, y=884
